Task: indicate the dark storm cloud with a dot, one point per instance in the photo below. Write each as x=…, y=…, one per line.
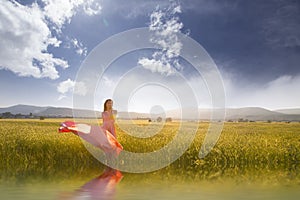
x=258, y=40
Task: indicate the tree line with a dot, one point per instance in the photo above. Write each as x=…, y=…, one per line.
x=9, y=115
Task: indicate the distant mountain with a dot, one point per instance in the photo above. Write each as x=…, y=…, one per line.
x=247, y=113
x=68, y=112
x=23, y=109
x=255, y=113
x=291, y=111
x=231, y=113
x=49, y=111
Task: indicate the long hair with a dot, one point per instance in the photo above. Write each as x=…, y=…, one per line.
x=106, y=101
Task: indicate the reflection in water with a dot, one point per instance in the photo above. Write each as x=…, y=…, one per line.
x=215, y=183
x=101, y=187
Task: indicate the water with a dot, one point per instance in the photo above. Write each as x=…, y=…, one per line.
x=168, y=183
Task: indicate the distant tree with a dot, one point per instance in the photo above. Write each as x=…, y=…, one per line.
x=168, y=119
x=159, y=119
x=19, y=115
x=42, y=117
x=7, y=115
x=269, y=121
x=242, y=120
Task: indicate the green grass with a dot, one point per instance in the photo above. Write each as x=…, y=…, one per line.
x=30, y=146
x=33, y=146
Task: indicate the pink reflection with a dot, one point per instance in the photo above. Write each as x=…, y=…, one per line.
x=101, y=187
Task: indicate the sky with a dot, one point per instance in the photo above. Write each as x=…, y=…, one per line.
x=252, y=45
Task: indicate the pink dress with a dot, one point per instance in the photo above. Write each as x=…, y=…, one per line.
x=109, y=122
x=95, y=135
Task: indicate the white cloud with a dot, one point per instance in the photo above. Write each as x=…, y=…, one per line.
x=25, y=32
x=61, y=97
x=281, y=92
x=165, y=25
x=278, y=93
x=147, y=90
x=108, y=82
x=156, y=66
x=76, y=45
x=61, y=12
x=25, y=38
x=67, y=86
x=92, y=7
x=80, y=89
x=80, y=49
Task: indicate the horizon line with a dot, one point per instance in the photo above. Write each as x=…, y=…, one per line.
x=229, y=107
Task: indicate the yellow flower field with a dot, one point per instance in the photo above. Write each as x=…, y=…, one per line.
x=32, y=144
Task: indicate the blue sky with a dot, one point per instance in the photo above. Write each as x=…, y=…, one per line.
x=255, y=45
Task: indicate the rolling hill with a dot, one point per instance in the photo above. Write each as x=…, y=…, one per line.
x=23, y=109
x=49, y=111
x=246, y=113
x=291, y=111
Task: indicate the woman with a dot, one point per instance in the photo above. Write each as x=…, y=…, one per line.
x=108, y=117
x=103, y=137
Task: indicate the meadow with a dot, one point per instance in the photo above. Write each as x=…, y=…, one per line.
x=251, y=151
